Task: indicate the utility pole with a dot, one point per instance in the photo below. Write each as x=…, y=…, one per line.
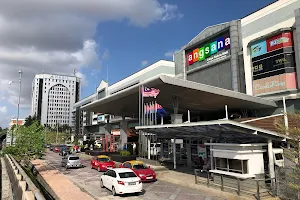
x=19, y=97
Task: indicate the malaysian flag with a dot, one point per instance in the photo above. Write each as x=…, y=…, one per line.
x=160, y=110
x=150, y=92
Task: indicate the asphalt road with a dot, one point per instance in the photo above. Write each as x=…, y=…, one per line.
x=88, y=180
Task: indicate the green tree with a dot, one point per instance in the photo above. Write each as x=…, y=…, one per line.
x=29, y=142
x=292, y=153
x=30, y=120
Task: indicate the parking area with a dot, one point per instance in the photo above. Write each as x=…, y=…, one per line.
x=88, y=180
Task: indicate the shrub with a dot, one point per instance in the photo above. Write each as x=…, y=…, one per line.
x=125, y=153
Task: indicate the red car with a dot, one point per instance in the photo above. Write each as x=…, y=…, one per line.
x=142, y=170
x=102, y=163
x=56, y=149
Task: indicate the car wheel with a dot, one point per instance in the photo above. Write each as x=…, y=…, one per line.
x=98, y=169
x=101, y=183
x=92, y=167
x=114, y=191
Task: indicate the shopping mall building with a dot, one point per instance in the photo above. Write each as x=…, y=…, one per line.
x=230, y=83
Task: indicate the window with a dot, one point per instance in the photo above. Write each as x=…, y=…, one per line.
x=139, y=166
x=103, y=159
x=278, y=156
x=232, y=165
x=127, y=165
x=127, y=175
x=74, y=158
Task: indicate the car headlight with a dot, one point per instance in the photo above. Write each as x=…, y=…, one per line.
x=142, y=174
x=154, y=174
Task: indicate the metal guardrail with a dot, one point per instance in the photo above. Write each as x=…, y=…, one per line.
x=22, y=186
x=257, y=184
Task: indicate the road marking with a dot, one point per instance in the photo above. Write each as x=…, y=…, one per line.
x=175, y=194
x=152, y=185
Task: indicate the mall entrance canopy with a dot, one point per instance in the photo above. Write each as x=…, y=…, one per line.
x=223, y=130
x=192, y=96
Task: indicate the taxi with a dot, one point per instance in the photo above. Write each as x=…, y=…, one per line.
x=102, y=163
x=141, y=169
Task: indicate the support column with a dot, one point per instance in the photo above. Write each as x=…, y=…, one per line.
x=211, y=155
x=189, y=153
x=149, y=146
x=162, y=149
x=123, y=132
x=271, y=161
x=174, y=152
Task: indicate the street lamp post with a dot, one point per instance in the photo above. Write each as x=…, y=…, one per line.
x=18, y=112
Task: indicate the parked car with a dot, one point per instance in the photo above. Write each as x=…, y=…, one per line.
x=71, y=161
x=121, y=181
x=51, y=147
x=102, y=163
x=65, y=151
x=142, y=170
x=56, y=149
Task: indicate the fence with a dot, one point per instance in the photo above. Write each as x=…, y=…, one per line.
x=284, y=178
x=22, y=186
x=255, y=187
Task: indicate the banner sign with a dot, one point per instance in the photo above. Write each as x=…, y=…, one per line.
x=205, y=51
x=273, y=65
x=275, y=83
x=258, y=49
x=279, y=41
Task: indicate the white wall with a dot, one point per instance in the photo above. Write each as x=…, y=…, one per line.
x=268, y=28
x=254, y=157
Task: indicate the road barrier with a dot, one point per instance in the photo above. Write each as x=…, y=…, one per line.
x=22, y=186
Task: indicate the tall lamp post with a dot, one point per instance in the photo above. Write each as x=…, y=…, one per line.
x=18, y=112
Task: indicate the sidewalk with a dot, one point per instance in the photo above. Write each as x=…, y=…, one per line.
x=60, y=184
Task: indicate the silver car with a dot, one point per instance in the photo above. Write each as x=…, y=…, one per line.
x=71, y=161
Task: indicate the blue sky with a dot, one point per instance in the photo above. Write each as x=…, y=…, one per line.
x=129, y=46
x=123, y=37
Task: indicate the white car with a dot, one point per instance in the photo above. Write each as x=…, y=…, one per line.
x=121, y=181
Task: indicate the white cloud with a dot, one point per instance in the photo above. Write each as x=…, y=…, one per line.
x=144, y=62
x=3, y=109
x=170, y=53
x=54, y=36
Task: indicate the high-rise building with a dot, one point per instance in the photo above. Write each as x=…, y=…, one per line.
x=53, y=97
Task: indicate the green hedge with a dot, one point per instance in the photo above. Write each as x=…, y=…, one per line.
x=125, y=153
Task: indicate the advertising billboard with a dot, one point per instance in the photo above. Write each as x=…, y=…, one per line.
x=258, y=48
x=279, y=41
x=274, y=63
x=210, y=51
x=275, y=83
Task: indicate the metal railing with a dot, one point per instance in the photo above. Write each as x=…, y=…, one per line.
x=255, y=187
x=22, y=186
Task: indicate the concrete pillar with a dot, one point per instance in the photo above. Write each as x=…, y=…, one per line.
x=189, y=153
x=149, y=146
x=162, y=150
x=211, y=155
x=123, y=132
x=174, y=152
x=271, y=161
x=107, y=128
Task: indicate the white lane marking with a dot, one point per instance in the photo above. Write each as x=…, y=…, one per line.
x=175, y=194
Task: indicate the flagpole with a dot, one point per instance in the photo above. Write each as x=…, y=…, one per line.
x=139, y=105
x=155, y=108
x=143, y=113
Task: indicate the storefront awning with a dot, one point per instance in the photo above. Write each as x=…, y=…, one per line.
x=223, y=129
x=193, y=96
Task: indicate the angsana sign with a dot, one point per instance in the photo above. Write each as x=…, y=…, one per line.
x=200, y=54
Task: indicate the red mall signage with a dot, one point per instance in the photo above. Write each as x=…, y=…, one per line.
x=280, y=41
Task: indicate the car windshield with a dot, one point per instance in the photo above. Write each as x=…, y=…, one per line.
x=73, y=158
x=127, y=175
x=104, y=159
x=139, y=166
